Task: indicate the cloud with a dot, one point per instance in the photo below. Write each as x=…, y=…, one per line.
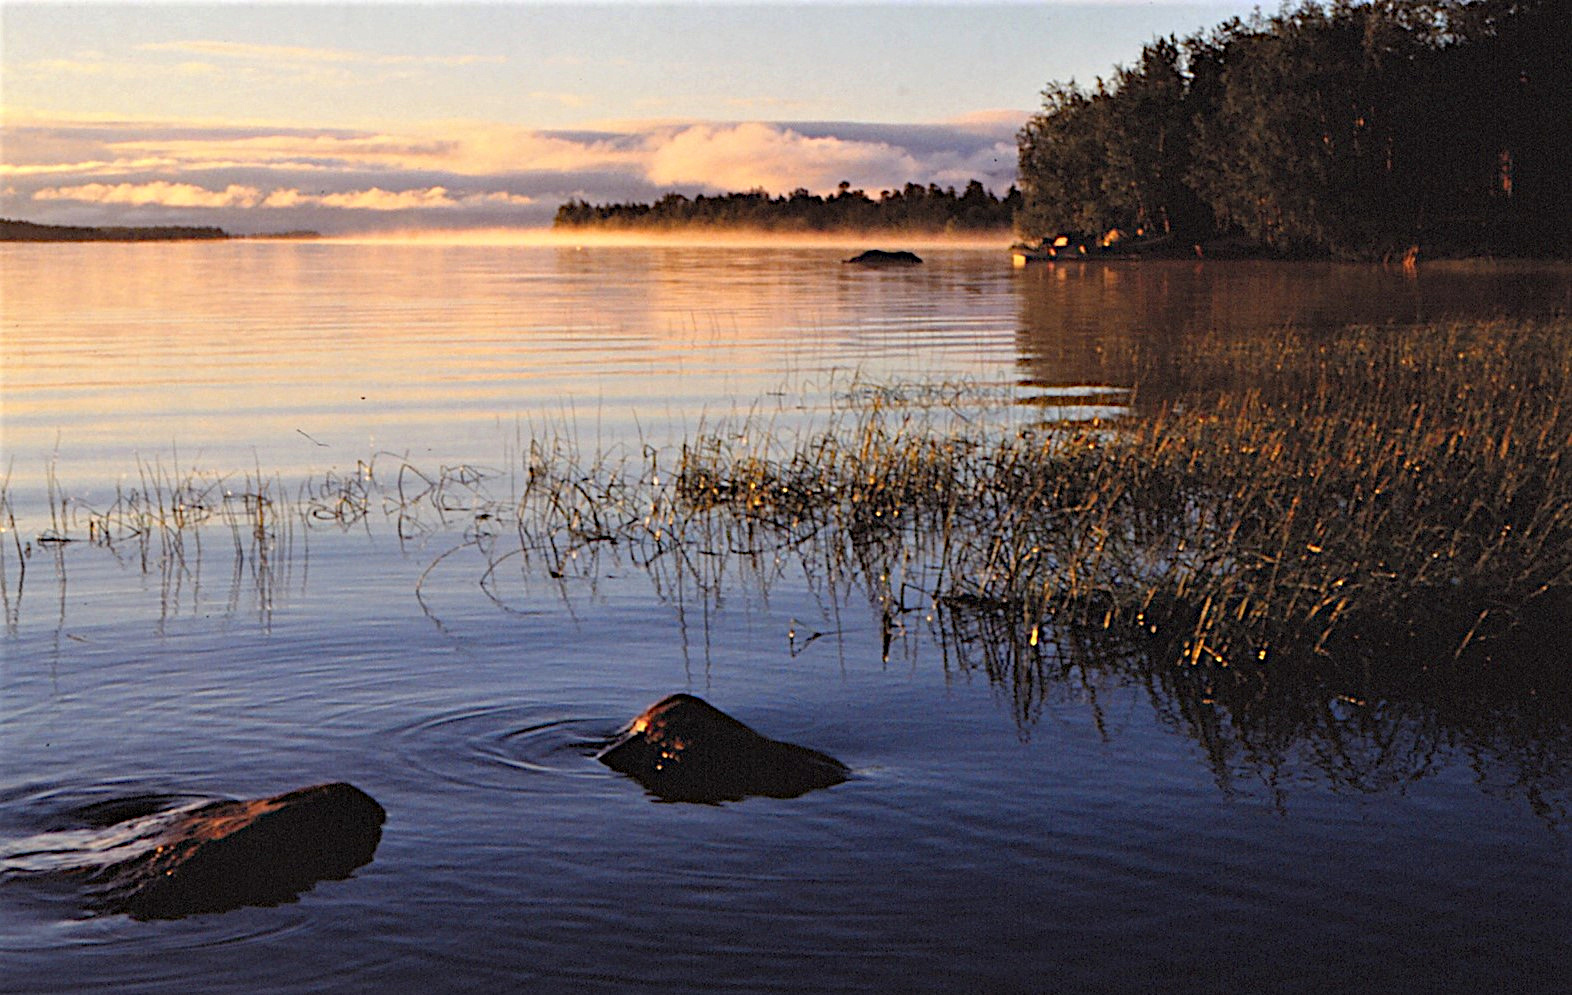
x=244, y=176
x=377, y=199
x=164, y=194
x=203, y=151
x=715, y=156
x=89, y=168
x=754, y=156
x=460, y=148
x=1008, y=120
x=480, y=149
x=158, y=192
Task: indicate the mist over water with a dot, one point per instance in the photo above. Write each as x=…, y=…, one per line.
x=1070, y=825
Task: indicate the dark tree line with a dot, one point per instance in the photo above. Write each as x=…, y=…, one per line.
x=1353, y=129
x=26, y=231
x=912, y=208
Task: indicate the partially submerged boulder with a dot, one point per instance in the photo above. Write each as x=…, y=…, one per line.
x=682, y=748
x=223, y=855
x=880, y=257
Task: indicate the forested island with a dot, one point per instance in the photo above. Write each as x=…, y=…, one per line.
x=912, y=209
x=1350, y=130
x=26, y=231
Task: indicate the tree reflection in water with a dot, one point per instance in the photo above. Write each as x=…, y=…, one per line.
x=1354, y=731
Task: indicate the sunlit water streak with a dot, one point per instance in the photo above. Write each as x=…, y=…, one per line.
x=1097, y=840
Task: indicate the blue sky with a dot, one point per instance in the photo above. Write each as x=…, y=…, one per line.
x=377, y=116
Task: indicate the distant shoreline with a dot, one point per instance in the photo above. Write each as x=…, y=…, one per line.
x=912, y=209
x=12, y=230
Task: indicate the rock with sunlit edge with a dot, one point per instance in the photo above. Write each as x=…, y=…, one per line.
x=682, y=748
x=223, y=855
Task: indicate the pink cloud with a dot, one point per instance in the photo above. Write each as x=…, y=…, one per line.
x=164, y=194
x=459, y=172
x=158, y=192
x=755, y=155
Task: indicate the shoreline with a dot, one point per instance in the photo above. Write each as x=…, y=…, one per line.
x=14, y=230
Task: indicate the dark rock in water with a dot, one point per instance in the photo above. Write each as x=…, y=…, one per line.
x=223, y=855
x=879, y=257
x=683, y=748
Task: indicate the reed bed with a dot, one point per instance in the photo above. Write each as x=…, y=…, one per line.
x=1391, y=496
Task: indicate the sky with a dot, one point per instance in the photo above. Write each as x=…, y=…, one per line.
x=367, y=117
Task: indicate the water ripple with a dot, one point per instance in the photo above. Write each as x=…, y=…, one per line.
x=48, y=829
x=505, y=747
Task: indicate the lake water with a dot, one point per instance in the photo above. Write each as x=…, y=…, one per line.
x=1097, y=830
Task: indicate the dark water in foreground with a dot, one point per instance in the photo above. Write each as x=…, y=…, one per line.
x=1056, y=828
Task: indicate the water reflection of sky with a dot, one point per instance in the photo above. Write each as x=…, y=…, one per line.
x=249, y=351
x=1020, y=811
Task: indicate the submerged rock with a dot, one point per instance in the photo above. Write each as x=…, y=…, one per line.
x=222, y=855
x=879, y=257
x=682, y=748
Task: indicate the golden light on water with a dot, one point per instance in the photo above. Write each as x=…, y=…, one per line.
x=691, y=235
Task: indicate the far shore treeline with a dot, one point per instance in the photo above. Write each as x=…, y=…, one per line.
x=26, y=231
x=1347, y=129
x=12, y=230
x=913, y=208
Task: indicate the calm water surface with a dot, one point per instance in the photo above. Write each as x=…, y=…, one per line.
x=1087, y=830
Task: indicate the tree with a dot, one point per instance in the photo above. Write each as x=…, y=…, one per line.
x=1350, y=128
x=1062, y=159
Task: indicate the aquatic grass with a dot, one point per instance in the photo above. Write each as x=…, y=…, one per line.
x=10, y=598
x=1403, y=488
x=1386, y=493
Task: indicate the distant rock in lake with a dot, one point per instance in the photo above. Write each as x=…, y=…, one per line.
x=880, y=257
